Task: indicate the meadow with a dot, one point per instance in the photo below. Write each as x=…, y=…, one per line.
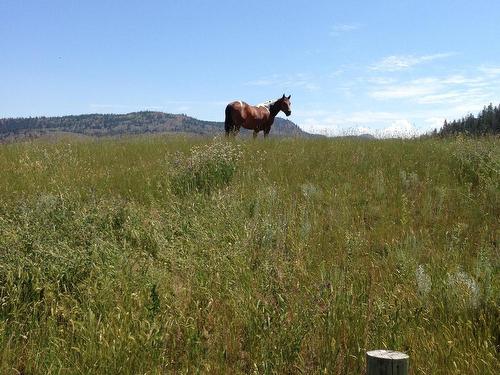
x=154, y=255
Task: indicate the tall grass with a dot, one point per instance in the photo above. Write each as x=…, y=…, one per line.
x=173, y=255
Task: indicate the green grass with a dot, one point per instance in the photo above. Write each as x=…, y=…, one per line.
x=173, y=255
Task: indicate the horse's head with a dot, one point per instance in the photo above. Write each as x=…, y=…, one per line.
x=285, y=104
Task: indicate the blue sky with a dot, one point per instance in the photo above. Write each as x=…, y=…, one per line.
x=350, y=66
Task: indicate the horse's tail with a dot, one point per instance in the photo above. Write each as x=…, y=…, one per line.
x=228, y=122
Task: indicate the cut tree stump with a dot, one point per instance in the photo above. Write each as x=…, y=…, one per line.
x=386, y=362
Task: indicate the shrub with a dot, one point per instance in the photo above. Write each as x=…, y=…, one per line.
x=207, y=168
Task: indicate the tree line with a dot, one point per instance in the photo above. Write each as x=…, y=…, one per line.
x=487, y=122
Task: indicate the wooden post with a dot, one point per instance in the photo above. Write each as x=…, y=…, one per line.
x=386, y=362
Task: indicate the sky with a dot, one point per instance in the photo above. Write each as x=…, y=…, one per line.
x=380, y=67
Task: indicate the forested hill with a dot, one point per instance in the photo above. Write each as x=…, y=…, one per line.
x=486, y=122
x=121, y=124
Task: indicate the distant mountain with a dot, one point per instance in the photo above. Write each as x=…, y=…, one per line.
x=131, y=123
x=367, y=136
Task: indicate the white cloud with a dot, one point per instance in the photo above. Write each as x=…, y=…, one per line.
x=446, y=97
x=411, y=90
x=364, y=130
x=459, y=79
x=449, y=90
x=492, y=71
x=401, y=128
x=463, y=95
x=400, y=62
x=378, y=123
x=434, y=122
x=369, y=117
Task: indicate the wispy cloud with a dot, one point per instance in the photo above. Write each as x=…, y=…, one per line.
x=449, y=90
x=342, y=28
x=492, y=71
x=401, y=62
x=401, y=91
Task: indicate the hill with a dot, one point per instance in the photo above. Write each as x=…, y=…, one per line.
x=131, y=123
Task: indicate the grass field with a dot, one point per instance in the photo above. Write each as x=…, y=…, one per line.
x=175, y=255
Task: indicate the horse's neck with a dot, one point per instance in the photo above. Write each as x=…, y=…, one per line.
x=273, y=109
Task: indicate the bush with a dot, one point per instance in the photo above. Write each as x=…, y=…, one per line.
x=207, y=168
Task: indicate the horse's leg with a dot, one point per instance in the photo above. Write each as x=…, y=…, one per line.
x=228, y=121
x=255, y=133
x=266, y=132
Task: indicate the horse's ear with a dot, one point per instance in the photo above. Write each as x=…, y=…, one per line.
x=283, y=96
x=289, y=96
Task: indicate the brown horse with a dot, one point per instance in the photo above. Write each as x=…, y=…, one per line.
x=255, y=118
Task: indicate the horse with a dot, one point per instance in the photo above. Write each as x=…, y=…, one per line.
x=256, y=118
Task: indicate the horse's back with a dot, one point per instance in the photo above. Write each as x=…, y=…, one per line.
x=236, y=110
x=237, y=104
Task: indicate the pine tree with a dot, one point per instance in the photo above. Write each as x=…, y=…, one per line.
x=487, y=122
